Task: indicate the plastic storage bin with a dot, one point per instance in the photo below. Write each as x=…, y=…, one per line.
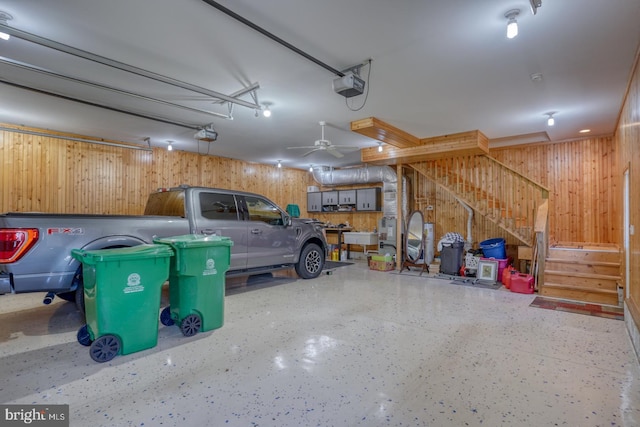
x=122, y=291
x=451, y=258
x=522, y=283
x=197, y=282
x=493, y=248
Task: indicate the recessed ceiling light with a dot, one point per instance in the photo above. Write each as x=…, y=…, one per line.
x=585, y=130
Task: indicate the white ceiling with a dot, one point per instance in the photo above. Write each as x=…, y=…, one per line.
x=439, y=67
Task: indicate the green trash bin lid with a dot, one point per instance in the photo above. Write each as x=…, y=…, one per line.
x=120, y=254
x=194, y=241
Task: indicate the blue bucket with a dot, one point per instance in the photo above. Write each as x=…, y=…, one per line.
x=493, y=248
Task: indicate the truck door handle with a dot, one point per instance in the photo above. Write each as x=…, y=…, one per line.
x=208, y=232
x=256, y=231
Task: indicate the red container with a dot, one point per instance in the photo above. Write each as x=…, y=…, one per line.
x=502, y=263
x=522, y=283
x=507, y=274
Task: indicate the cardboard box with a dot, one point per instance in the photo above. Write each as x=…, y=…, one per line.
x=381, y=265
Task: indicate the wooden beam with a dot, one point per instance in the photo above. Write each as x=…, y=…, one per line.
x=458, y=144
x=383, y=132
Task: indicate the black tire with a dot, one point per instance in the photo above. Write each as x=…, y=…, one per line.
x=191, y=325
x=165, y=317
x=83, y=336
x=311, y=262
x=105, y=348
x=68, y=296
x=78, y=294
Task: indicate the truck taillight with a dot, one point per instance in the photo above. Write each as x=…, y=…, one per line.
x=15, y=242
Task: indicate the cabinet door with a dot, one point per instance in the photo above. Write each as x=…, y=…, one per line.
x=329, y=198
x=368, y=199
x=347, y=197
x=314, y=202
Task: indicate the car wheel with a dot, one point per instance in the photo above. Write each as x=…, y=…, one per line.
x=311, y=262
x=79, y=292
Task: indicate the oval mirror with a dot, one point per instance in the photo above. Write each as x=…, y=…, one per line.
x=414, y=240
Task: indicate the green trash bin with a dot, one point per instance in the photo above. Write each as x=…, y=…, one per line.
x=122, y=292
x=196, y=282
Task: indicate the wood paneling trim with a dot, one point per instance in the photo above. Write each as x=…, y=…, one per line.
x=384, y=132
x=446, y=146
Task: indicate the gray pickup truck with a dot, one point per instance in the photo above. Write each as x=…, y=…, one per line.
x=35, y=248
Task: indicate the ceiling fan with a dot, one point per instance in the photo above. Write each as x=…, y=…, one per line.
x=324, y=145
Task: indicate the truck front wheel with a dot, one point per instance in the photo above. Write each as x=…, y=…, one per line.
x=311, y=262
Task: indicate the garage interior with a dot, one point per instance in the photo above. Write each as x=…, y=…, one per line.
x=94, y=120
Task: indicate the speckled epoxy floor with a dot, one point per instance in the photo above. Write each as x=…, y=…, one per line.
x=355, y=348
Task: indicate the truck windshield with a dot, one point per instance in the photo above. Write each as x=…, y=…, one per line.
x=166, y=203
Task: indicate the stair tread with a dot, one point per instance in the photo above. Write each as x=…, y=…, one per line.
x=583, y=262
x=579, y=288
x=583, y=275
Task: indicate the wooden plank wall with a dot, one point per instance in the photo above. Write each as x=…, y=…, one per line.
x=582, y=177
x=627, y=138
x=47, y=174
x=56, y=175
x=584, y=184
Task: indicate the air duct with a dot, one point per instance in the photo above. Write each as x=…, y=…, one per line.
x=364, y=175
x=349, y=176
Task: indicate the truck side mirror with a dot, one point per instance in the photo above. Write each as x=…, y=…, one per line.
x=286, y=220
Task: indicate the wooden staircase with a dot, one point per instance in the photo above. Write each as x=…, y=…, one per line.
x=582, y=273
x=460, y=164
x=491, y=189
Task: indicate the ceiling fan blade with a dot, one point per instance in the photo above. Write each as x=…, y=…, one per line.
x=335, y=152
x=309, y=152
x=306, y=147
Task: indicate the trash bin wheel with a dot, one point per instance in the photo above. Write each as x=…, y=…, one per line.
x=83, y=336
x=191, y=325
x=165, y=317
x=105, y=348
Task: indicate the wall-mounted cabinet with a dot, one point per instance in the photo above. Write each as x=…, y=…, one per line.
x=355, y=200
x=314, y=202
x=329, y=198
x=347, y=197
x=368, y=199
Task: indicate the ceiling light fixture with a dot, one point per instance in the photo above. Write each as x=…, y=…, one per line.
x=310, y=168
x=379, y=147
x=551, y=121
x=279, y=164
x=512, y=24
x=585, y=130
x=265, y=110
x=170, y=146
x=4, y=17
